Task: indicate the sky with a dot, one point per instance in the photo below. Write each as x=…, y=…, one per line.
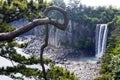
x=114, y=3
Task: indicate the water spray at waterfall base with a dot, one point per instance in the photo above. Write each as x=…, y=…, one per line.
x=101, y=39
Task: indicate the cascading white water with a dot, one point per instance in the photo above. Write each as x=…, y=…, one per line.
x=101, y=38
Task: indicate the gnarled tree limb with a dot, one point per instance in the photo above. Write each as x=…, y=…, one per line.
x=42, y=50
x=43, y=21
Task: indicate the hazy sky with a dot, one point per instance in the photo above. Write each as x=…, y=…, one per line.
x=115, y=3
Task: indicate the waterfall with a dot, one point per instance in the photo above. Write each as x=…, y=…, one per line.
x=101, y=38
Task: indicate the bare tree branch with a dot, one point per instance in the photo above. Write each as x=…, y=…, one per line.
x=11, y=35
x=42, y=50
x=44, y=21
x=61, y=26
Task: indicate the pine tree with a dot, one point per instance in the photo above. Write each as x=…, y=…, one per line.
x=11, y=10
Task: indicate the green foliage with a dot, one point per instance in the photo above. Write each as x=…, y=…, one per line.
x=6, y=48
x=28, y=72
x=23, y=45
x=4, y=27
x=87, y=18
x=54, y=72
x=22, y=4
x=29, y=9
x=115, y=67
x=18, y=9
x=104, y=77
x=111, y=60
x=59, y=3
x=55, y=14
x=59, y=73
x=90, y=15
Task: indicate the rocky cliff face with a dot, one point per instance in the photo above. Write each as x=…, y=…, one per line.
x=76, y=36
